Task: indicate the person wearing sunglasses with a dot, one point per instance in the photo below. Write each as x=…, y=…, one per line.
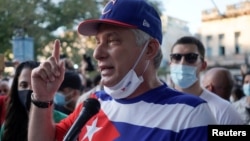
x=243, y=104
x=187, y=61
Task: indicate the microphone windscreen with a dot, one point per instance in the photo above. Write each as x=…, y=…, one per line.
x=92, y=105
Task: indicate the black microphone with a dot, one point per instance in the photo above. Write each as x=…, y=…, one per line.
x=90, y=108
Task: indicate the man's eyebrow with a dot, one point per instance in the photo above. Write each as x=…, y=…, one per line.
x=112, y=33
x=108, y=34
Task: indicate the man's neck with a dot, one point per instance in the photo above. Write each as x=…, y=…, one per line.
x=195, y=89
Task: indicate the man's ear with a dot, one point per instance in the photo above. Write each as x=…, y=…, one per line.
x=152, y=49
x=204, y=66
x=209, y=87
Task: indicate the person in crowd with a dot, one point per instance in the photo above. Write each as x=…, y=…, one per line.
x=86, y=67
x=68, y=93
x=244, y=68
x=69, y=64
x=4, y=87
x=220, y=81
x=187, y=62
x=3, y=99
x=237, y=93
x=243, y=105
x=135, y=104
x=15, y=126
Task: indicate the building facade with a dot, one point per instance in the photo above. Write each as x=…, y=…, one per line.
x=173, y=28
x=226, y=36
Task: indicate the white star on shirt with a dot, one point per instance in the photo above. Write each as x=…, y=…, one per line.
x=91, y=130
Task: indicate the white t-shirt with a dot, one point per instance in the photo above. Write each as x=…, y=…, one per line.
x=241, y=106
x=223, y=110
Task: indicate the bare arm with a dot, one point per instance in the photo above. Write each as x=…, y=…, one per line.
x=45, y=80
x=41, y=125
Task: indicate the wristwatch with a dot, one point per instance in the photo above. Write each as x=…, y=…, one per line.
x=41, y=104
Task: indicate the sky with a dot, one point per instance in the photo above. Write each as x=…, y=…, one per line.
x=190, y=10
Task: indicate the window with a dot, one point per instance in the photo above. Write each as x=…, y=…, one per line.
x=209, y=46
x=237, y=44
x=222, y=50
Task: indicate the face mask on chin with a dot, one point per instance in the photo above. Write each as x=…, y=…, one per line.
x=182, y=75
x=129, y=83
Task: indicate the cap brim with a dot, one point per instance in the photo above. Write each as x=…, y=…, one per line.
x=90, y=27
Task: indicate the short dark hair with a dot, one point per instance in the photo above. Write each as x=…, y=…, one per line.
x=191, y=40
x=71, y=80
x=243, y=78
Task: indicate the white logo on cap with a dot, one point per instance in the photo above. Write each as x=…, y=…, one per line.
x=145, y=23
x=107, y=7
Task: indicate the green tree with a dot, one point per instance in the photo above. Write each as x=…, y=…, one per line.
x=40, y=18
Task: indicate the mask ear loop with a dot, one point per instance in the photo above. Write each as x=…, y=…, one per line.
x=146, y=67
x=137, y=61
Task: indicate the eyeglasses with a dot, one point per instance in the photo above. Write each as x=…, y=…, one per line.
x=189, y=57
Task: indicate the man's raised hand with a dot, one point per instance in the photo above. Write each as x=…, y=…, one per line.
x=47, y=78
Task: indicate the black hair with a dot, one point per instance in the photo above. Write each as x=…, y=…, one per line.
x=16, y=119
x=238, y=92
x=191, y=40
x=244, y=75
x=88, y=60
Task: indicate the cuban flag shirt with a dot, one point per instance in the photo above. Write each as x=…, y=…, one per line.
x=161, y=114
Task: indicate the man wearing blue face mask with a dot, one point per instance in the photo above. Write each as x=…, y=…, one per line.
x=243, y=105
x=68, y=93
x=187, y=62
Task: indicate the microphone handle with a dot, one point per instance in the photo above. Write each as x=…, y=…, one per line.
x=74, y=130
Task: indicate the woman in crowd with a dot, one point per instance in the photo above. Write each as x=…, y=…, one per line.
x=15, y=127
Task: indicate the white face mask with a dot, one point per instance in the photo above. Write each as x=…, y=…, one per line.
x=129, y=82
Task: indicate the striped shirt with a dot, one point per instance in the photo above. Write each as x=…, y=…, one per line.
x=161, y=114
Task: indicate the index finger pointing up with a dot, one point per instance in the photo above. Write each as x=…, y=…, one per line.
x=56, y=50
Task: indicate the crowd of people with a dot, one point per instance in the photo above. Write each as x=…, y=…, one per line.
x=44, y=99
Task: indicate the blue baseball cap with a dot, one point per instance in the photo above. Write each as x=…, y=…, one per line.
x=137, y=14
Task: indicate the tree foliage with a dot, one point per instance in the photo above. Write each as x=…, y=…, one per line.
x=40, y=19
